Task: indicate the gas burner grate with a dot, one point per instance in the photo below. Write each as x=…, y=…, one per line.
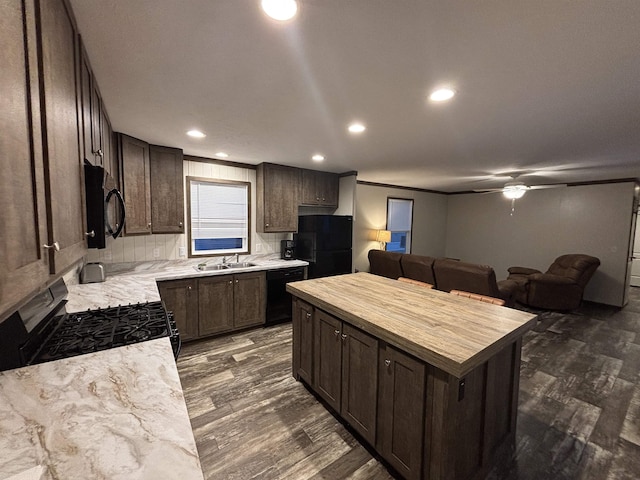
x=105, y=328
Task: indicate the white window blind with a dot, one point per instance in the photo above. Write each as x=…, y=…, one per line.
x=219, y=212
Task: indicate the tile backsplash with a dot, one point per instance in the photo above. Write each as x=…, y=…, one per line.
x=141, y=248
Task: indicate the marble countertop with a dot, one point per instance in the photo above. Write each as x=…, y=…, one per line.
x=453, y=333
x=117, y=414
x=136, y=282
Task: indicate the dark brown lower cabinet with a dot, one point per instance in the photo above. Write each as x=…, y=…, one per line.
x=402, y=383
x=303, y=341
x=217, y=304
x=346, y=375
x=181, y=297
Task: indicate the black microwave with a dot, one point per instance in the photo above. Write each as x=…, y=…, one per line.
x=105, y=206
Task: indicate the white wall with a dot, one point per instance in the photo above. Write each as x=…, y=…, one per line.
x=429, y=221
x=591, y=219
x=141, y=247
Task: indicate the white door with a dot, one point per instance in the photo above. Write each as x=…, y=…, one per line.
x=635, y=265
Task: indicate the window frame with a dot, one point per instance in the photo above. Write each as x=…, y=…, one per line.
x=410, y=233
x=218, y=181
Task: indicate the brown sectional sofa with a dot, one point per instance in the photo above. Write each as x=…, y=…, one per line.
x=444, y=273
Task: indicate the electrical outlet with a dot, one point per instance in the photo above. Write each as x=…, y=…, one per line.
x=258, y=247
x=156, y=253
x=182, y=251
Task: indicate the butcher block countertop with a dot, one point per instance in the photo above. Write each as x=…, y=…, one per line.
x=118, y=414
x=452, y=333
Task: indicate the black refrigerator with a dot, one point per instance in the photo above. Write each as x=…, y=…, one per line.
x=325, y=242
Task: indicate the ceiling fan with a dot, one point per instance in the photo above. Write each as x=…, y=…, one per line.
x=515, y=189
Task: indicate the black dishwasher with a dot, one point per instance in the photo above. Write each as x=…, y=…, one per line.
x=278, y=300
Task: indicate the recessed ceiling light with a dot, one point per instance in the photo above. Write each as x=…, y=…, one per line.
x=280, y=9
x=196, y=134
x=222, y=155
x=442, y=95
x=357, y=128
x=317, y=158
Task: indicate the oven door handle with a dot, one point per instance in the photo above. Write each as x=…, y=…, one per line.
x=122, y=212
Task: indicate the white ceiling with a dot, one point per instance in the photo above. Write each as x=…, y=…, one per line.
x=548, y=88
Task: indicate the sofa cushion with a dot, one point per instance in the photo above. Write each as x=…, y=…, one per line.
x=418, y=267
x=386, y=264
x=470, y=277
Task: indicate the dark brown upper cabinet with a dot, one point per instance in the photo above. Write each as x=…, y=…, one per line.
x=320, y=188
x=24, y=264
x=64, y=173
x=167, y=189
x=135, y=184
x=278, y=192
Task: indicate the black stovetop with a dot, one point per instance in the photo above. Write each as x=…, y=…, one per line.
x=96, y=330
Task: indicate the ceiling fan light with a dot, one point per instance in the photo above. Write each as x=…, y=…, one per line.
x=280, y=9
x=513, y=192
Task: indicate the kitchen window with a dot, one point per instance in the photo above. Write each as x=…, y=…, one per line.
x=218, y=216
x=400, y=223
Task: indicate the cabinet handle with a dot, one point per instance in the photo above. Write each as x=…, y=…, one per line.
x=149, y=225
x=54, y=245
x=308, y=315
x=98, y=152
x=236, y=281
x=230, y=282
x=189, y=287
x=180, y=224
x=344, y=336
x=336, y=332
x=91, y=234
x=266, y=224
x=387, y=363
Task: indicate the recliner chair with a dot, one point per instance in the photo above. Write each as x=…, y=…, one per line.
x=561, y=287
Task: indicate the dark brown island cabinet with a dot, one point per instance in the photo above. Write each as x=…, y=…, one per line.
x=428, y=379
x=215, y=304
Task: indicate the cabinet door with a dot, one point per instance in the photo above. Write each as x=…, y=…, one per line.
x=61, y=145
x=303, y=341
x=360, y=381
x=249, y=299
x=135, y=184
x=278, y=192
x=329, y=184
x=167, y=190
x=96, y=123
x=327, y=352
x=181, y=297
x=401, y=411
x=215, y=308
x=310, y=193
x=86, y=78
x=24, y=264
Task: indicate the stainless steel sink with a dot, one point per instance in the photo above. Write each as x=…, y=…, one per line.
x=223, y=266
x=208, y=268
x=240, y=265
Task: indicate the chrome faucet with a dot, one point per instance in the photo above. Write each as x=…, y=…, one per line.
x=237, y=258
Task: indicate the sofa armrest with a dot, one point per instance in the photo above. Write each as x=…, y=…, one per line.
x=522, y=270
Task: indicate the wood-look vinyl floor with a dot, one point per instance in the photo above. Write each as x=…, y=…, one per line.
x=578, y=417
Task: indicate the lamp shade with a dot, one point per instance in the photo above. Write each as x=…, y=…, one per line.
x=383, y=236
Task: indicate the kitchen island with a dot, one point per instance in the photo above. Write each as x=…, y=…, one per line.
x=429, y=379
x=116, y=414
